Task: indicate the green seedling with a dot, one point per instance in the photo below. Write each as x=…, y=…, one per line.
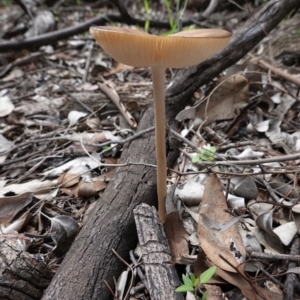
x=147, y=11
x=105, y=148
x=191, y=282
x=207, y=153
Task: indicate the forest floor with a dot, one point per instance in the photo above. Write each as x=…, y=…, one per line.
x=67, y=109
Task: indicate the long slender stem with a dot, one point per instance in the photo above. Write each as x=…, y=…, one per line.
x=158, y=78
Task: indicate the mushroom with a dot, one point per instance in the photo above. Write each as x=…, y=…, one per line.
x=139, y=49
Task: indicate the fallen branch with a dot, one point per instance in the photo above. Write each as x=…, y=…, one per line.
x=263, y=64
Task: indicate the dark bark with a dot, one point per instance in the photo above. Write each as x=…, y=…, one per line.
x=22, y=275
x=90, y=259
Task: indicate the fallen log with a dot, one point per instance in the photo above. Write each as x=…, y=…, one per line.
x=162, y=276
x=111, y=226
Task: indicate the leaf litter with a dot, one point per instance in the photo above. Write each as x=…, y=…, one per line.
x=61, y=113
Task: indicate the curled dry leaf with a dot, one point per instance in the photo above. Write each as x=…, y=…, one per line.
x=88, y=186
x=90, y=189
x=11, y=206
x=63, y=233
x=177, y=236
x=68, y=179
x=231, y=94
x=17, y=225
x=214, y=242
x=34, y=186
x=286, y=232
x=79, y=161
x=74, y=116
x=245, y=187
x=93, y=123
x=266, y=235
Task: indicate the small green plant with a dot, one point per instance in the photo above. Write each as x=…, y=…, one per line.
x=105, y=148
x=147, y=11
x=173, y=21
x=190, y=283
x=207, y=153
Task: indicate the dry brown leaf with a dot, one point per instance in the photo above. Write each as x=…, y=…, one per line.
x=250, y=292
x=16, y=225
x=215, y=242
x=11, y=206
x=86, y=189
x=106, y=177
x=98, y=137
x=93, y=123
x=176, y=235
x=35, y=186
x=119, y=68
x=90, y=189
x=264, y=222
x=68, y=179
x=230, y=95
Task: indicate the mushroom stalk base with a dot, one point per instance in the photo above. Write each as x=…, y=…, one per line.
x=158, y=78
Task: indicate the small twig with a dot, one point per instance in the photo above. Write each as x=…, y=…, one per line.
x=184, y=140
x=235, y=145
x=271, y=191
x=275, y=256
x=77, y=100
x=243, y=174
x=276, y=71
x=109, y=288
x=272, y=278
x=139, y=271
x=132, y=273
x=216, y=137
x=30, y=171
x=69, y=138
x=88, y=61
x=281, y=158
x=114, y=97
x=20, y=61
x=15, y=160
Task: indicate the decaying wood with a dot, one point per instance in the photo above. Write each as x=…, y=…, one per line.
x=90, y=260
x=22, y=276
x=162, y=276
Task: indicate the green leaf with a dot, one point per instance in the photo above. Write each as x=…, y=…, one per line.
x=197, y=281
x=208, y=274
x=207, y=153
x=193, y=278
x=196, y=159
x=187, y=281
x=204, y=296
x=184, y=289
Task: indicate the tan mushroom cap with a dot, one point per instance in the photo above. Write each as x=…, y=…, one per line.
x=139, y=49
